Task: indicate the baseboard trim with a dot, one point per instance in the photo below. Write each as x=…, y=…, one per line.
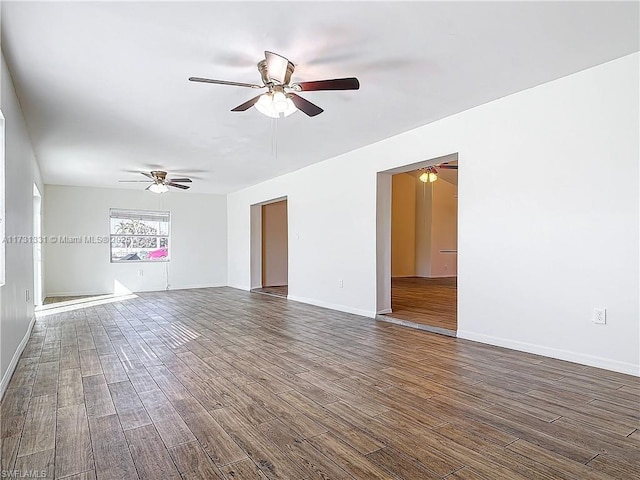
x=94, y=293
x=333, y=306
x=566, y=355
x=16, y=357
x=424, y=276
x=193, y=287
x=417, y=326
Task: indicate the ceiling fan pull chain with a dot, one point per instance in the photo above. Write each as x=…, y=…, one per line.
x=275, y=140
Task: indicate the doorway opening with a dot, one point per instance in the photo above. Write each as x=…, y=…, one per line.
x=270, y=248
x=37, y=247
x=418, y=245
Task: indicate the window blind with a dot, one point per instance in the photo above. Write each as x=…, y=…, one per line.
x=142, y=215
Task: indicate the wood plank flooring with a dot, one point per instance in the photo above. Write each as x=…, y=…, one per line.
x=224, y=384
x=426, y=301
x=279, y=291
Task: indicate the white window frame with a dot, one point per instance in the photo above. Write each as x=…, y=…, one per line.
x=154, y=215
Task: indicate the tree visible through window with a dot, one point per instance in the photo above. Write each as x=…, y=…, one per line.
x=139, y=235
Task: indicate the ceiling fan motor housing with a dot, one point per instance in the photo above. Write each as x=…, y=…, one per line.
x=159, y=175
x=267, y=80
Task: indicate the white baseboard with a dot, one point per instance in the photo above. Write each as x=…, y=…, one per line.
x=333, y=306
x=203, y=285
x=567, y=355
x=94, y=293
x=318, y=303
x=417, y=326
x=384, y=311
x=424, y=276
x=16, y=357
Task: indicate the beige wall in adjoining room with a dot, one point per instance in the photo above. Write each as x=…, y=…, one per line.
x=403, y=226
x=424, y=227
x=275, y=248
x=444, y=229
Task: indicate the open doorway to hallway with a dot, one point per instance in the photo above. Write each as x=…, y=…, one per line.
x=270, y=249
x=423, y=233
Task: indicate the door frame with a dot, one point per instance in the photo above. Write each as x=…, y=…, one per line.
x=256, y=239
x=383, y=228
x=38, y=295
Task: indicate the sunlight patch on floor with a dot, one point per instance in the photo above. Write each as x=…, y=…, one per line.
x=80, y=303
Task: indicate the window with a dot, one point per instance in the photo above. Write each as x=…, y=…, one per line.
x=139, y=236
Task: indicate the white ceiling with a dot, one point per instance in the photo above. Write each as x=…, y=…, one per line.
x=105, y=93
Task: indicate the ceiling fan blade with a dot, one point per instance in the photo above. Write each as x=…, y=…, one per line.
x=444, y=166
x=177, y=185
x=148, y=175
x=246, y=105
x=350, y=83
x=305, y=105
x=276, y=67
x=174, y=180
x=133, y=181
x=149, y=187
x=224, y=82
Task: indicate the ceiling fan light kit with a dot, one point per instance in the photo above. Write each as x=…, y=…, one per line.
x=276, y=104
x=429, y=175
x=158, y=188
x=281, y=99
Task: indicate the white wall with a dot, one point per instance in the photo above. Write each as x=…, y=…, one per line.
x=197, y=244
x=21, y=172
x=548, y=218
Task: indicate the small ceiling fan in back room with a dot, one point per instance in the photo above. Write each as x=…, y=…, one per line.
x=160, y=182
x=281, y=99
x=430, y=174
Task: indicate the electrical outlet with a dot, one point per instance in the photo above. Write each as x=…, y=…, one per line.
x=341, y=283
x=600, y=316
x=141, y=273
x=27, y=295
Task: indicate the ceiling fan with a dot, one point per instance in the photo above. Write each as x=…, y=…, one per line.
x=160, y=182
x=430, y=174
x=447, y=166
x=281, y=100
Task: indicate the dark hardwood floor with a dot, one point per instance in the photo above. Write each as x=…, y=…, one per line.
x=220, y=383
x=427, y=301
